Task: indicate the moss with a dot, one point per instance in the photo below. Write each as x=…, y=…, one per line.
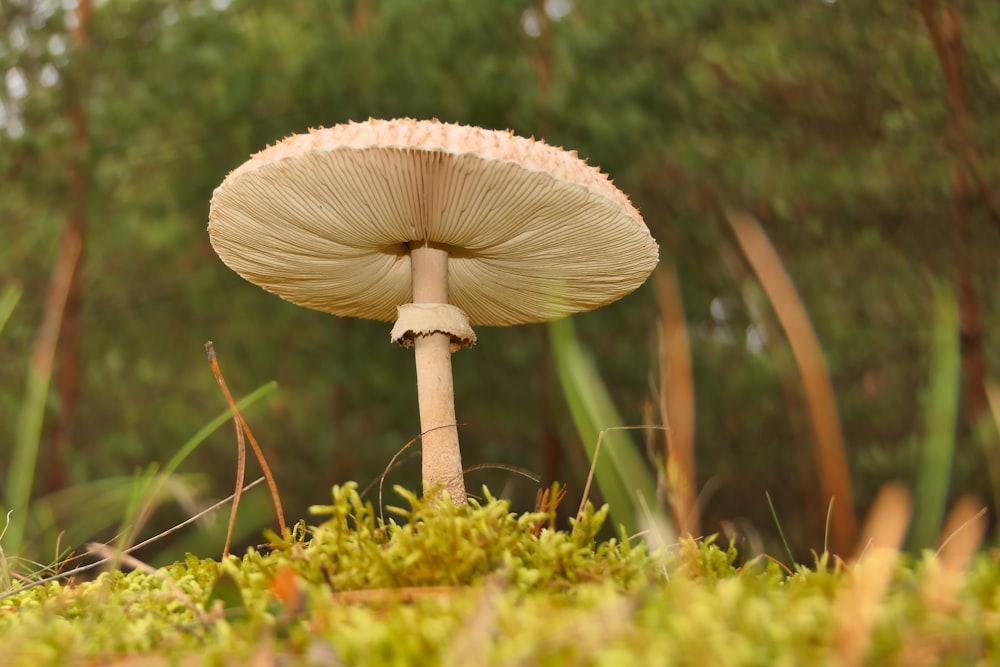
x=440, y=585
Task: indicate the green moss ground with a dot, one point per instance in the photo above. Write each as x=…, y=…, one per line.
x=481, y=586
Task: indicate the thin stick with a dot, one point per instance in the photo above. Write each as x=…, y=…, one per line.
x=781, y=533
x=597, y=451
x=523, y=472
x=241, y=447
x=381, y=479
x=967, y=522
x=108, y=553
x=135, y=547
x=392, y=466
x=272, y=485
x=242, y=426
x=590, y=475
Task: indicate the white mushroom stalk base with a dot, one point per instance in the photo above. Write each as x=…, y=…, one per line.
x=433, y=345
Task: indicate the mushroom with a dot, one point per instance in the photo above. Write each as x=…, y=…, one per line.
x=435, y=226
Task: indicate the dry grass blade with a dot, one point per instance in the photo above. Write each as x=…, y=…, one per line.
x=993, y=455
x=66, y=574
x=243, y=427
x=109, y=554
x=828, y=439
x=21, y=471
x=241, y=446
x=623, y=473
x=677, y=408
x=546, y=503
x=389, y=467
x=517, y=470
x=942, y=580
x=857, y=604
x=590, y=476
x=963, y=533
x=480, y=627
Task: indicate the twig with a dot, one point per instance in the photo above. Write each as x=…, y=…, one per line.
x=381, y=479
x=108, y=553
x=590, y=475
x=140, y=545
x=969, y=522
x=523, y=472
x=242, y=426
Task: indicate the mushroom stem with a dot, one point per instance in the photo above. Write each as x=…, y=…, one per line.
x=442, y=459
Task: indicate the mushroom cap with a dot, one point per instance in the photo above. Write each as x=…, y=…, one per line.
x=533, y=233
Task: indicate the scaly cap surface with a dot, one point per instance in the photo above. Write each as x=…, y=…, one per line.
x=533, y=233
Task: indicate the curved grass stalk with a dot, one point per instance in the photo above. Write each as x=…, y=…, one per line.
x=623, y=476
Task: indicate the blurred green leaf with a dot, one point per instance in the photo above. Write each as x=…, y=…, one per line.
x=824, y=119
x=940, y=418
x=624, y=477
x=8, y=302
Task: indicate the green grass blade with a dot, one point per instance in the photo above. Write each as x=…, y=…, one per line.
x=941, y=416
x=8, y=301
x=79, y=512
x=24, y=457
x=150, y=486
x=23, y=460
x=99, y=501
x=140, y=503
x=622, y=474
x=220, y=419
x=781, y=532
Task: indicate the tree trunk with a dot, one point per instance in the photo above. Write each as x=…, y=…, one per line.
x=68, y=364
x=945, y=31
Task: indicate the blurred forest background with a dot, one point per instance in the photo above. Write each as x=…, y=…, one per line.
x=862, y=136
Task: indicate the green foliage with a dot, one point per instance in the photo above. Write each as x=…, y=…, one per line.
x=24, y=453
x=448, y=585
x=626, y=481
x=941, y=415
x=8, y=302
x=441, y=545
x=703, y=560
x=827, y=120
x=70, y=516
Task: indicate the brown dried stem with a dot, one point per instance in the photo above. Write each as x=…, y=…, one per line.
x=242, y=427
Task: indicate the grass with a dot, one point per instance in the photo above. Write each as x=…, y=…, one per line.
x=625, y=478
x=77, y=512
x=817, y=386
x=87, y=508
x=443, y=585
x=941, y=417
x=437, y=584
x=440, y=585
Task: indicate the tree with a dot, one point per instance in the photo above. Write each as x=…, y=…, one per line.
x=826, y=120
